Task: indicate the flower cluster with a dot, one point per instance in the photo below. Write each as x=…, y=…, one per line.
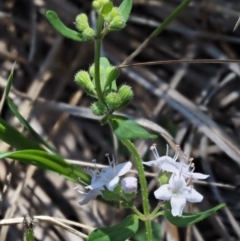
x=108, y=177
x=177, y=190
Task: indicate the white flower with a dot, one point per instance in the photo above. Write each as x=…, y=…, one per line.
x=129, y=184
x=166, y=163
x=178, y=193
x=186, y=170
x=109, y=176
x=163, y=159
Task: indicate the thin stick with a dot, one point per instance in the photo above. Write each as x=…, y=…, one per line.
x=181, y=61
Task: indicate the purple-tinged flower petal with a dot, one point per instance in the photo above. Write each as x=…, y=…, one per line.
x=177, y=204
x=92, y=194
x=163, y=192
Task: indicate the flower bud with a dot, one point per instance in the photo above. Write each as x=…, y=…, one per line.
x=82, y=22
x=117, y=23
x=125, y=92
x=113, y=100
x=82, y=78
x=112, y=74
x=129, y=184
x=98, y=108
x=97, y=4
x=110, y=16
x=88, y=34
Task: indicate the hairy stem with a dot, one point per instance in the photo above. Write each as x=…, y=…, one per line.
x=143, y=186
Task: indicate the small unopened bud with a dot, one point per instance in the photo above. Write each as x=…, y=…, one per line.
x=82, y=22
x=129, y=184
x=88, y=34
x=111, y=15
x=117, y=23
x=98, y=108
x=113, y=100
x=82, y=78
x=112, y=74
x=125, y=92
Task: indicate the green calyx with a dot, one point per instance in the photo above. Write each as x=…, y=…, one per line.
x=125, y=92
x=81, y=22
x=82, y=26
x=98, y=108
x=113, y=100
x=83, y=79
x=114, y=20
x=88, y=34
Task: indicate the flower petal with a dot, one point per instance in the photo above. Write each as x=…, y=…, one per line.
x=100, y=182
x=122, y=168
x=113, y=183
x=92, y=194
x=169, y=166
x=194, y=196
x=163, y=192
x=196, y=175
x=153, y=163
x=177, y=203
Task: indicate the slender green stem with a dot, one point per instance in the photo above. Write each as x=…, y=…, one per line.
x=140, y=215
x=156, y=209
x=97, y=59
x=143, y=185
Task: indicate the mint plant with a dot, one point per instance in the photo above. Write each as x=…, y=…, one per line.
x=100, y=82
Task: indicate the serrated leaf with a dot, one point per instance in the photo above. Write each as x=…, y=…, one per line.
x=119, y=232
x=128, y=129
x=107, y=8
x=15, y=112
x=49, y=162
x=188, y=219
x=59, y=26
x=14, y=138
x=125, y=9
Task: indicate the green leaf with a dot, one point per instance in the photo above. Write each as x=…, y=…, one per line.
x=128, y=129
x=111, y=195
x=14, y=138
x=119, y=232
x=58, y=25
x=104, y=64
x=188, y=219
x=107, y=8
x=49, y=162
x=28, y=127
x=125, y=9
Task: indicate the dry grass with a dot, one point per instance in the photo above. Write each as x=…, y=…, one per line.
x=193, y=105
